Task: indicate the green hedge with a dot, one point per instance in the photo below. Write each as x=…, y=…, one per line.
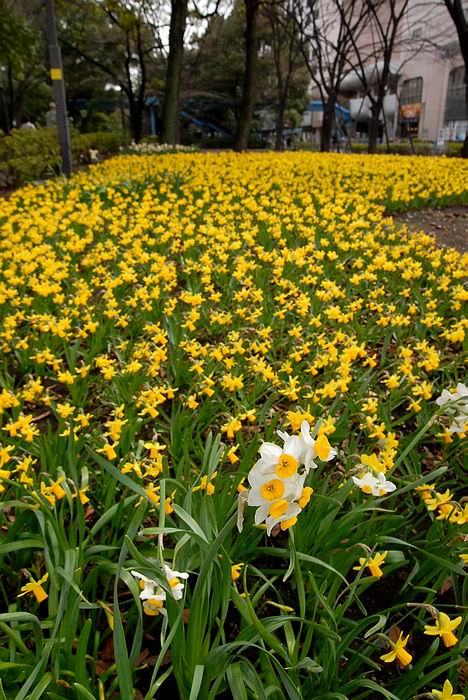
x=35, y=155
x=421, y=148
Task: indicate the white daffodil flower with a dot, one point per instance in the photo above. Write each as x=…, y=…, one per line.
x=266, y=488
x=148, y=586
x=459, y=425
x=312, y=449
x=152, y=595
x=285, y=516
x=271, y=495
x=154, y=606
x=173, y=579
x=282, y=462
x=367, y=483
x=374, y=485
x=456, y=406
x=460, y=394
x=383, y=486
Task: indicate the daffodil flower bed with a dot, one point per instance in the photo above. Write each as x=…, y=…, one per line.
x=232, y=426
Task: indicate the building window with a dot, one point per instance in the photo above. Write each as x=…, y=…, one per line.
x=411, y=91
x=410, y=106
x=455, y=107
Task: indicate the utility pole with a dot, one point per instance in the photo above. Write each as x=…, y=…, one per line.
x=58, y=84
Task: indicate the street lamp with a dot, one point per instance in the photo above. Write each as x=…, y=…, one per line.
x=58, y=84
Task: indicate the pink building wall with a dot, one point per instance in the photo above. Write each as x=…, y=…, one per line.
x=425, y=32
x=437, y=32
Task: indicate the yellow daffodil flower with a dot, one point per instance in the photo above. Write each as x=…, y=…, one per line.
x=398, y=652
x=446, y=693
x=236, y=571
x=206, y=484
x=373, y=563
x=35, y=587
x=444, y=627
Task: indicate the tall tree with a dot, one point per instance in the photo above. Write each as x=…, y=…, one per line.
x=458, y=11
x=214, y=73
x=118, y=37
x=171, y=106
x=214, y=70
x=23, y=89
x=287, y=57
x=175, y=61
x=249, y=91
x=328, y=30
x=372, y=57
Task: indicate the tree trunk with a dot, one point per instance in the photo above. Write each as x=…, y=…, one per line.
x=170, y=114
x=464, y=151
x=457, y=12
x=135, y=115
x=279, y=122
x=373, y=129
x=250, y=75
x=327, y=125
x=11, y=98
x=4, y=123
x=136, y=120
x=18, y=108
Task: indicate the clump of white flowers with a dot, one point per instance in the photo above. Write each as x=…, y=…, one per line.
x=455, y=405
x=148, y=148
x=154, y=596
x=276, y=481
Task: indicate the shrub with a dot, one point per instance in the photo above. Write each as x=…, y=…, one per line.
x=28, y=155
x=453, y=149
x=34, y=155
x=106, y=142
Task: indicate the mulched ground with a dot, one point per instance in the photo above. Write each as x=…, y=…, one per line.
x=448, y=225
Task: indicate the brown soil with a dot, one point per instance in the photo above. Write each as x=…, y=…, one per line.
x=448, y=225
